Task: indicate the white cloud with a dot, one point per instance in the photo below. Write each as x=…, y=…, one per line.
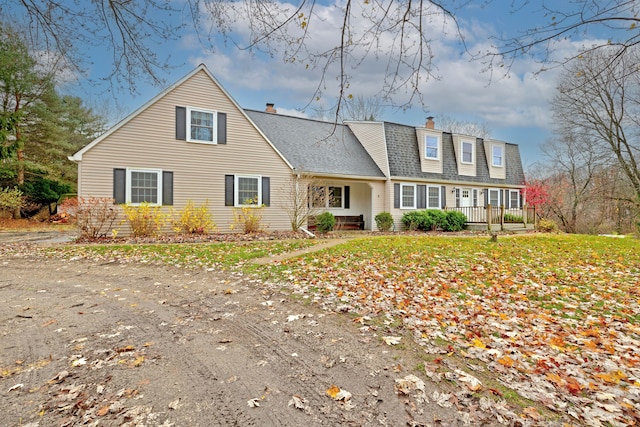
x=521, y=98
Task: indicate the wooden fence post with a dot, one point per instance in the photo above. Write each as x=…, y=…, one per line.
x=502, y=217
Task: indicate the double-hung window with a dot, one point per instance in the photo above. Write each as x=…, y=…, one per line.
x=433, y=197
x=432, y=147
x=144, y=186
x=201, y=125
x=407, y=196
x=494, y=197
x=467, y=151
x=514, y=199
x=248, y=191
x=497, y=155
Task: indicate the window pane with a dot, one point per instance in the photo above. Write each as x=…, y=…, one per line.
x=318, y=199
x=497, y=156
x=248, y=191
x=335, y=197
x=408, y=196
x=144, y=187
x=201, y=126
x=431, y=147
x=434, y=197
x=494, y=197
x=467, y=152
x=515, y=199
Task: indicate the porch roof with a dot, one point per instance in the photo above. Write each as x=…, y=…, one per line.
x=316, y=146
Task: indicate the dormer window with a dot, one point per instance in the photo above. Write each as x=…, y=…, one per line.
x=432, y=147
x=497, y=155
x=467, y=151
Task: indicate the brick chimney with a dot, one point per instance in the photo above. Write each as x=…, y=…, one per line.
x=430, y=124
x=270, y=108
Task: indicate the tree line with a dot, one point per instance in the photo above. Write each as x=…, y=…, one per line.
x=39, y=128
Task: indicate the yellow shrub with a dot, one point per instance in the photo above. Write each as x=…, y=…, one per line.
x=144, y=219
x=547, y=226
x=194, y=219
x=248, y=218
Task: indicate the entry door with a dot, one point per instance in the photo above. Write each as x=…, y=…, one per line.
x=465, y=198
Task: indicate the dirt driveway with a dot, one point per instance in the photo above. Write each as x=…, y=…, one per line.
x=89, y=343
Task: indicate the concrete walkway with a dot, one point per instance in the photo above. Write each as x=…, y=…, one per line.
x=38, y=237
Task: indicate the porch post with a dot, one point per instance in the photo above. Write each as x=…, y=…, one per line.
x=525, y=211
x=502, y=217
x=489, y=214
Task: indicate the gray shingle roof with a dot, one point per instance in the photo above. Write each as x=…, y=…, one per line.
x=404, y=158
x=316, y=146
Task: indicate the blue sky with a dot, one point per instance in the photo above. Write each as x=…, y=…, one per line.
x=515, y=106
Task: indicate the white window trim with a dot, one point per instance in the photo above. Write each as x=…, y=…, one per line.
x=439, y=196
x=236, y=190
x=438, y=147
x=415, y=193
x=494, y=146
x=489, y=198
x=473, y=152
x=325, y=189
x=158, y=172
x=214, y=131
x=517, y=199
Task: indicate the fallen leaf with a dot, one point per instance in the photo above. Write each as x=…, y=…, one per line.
x=253, y=403
x=391, y=340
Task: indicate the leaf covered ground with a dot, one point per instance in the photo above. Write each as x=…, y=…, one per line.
x=555, y=317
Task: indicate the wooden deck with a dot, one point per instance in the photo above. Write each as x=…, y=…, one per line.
x=498, y=217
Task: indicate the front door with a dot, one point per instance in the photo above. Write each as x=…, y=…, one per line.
x=465, y=198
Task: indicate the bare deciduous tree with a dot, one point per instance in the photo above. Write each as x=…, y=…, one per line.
x=598, y=101
x=614, y=23
x=453, y=125
x=305, y=196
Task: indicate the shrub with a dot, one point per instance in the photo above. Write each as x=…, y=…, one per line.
x=509, y=217
x=416, y=220
x=44, y=192
x=325, y=222
x=194, y=219
x=95, y=216
x=144, y=220
x=248, y=218
x=547, y=226
x=10, y=199
x=454, y=221
x=437, y=218
x=384, y=221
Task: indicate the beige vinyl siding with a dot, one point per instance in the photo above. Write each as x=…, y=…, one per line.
x=371, y=136
x=465, y=169
x=148, y=141
x=429, y=165
x=495, y=172
x=378, y=200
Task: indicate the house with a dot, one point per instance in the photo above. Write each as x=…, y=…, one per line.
x=193, y=142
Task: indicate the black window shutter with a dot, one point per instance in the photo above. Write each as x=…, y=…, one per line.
x=228, y=190
x=347, y=191
x=475, y=198
x=222, y=128
x=396, y=196
x=521, y=205
x=422, y=197
x=486, y=196
x=443, y=197
x=119, y=186
x=266, y=191
x=181, y=123
x=167, y=188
